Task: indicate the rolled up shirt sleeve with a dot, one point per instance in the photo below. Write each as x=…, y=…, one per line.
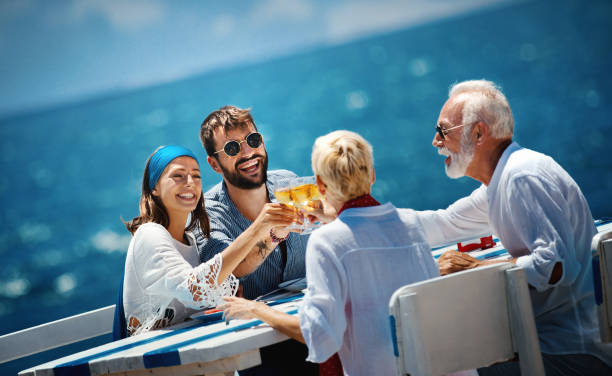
x=540, y=214
x=322, y=313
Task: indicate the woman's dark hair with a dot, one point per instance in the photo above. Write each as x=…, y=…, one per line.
x=152, y=209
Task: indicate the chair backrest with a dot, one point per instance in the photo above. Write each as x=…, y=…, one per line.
x=465, y=320
x=56, y=333
x=373, y=275
x=602, y=279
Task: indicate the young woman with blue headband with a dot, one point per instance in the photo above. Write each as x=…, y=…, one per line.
x=164, y=282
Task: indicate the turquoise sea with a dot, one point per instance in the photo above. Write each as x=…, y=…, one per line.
x=70, y=174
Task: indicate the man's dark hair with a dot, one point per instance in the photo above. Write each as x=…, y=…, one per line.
x=228, y=117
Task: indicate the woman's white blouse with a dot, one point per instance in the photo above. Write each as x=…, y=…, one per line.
x=353, y=266
x=165, y=283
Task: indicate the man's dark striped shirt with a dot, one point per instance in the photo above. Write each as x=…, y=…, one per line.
x=227, y=223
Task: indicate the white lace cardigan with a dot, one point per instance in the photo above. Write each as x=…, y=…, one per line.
x=164, y=281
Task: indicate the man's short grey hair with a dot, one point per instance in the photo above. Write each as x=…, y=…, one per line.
x=484, y=101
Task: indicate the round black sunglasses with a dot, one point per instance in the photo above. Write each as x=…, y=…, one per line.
x=232, y=148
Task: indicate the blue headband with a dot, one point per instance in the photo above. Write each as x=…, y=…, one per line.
x=162, y=158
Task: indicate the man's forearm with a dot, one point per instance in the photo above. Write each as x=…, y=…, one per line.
x=251, y=248
x=258, y=254
x=236, y=261
x=454, y=261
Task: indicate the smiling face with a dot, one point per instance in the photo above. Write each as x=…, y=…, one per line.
x=246, y=170
x=459, y=151
x=180, y=186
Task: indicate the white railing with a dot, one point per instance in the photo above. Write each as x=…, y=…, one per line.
x=56, y=333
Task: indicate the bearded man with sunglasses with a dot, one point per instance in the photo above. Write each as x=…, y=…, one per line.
x=539, y=214
x=240, y=203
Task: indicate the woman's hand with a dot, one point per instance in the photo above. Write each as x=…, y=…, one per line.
x=238, y=308
x=318, y=211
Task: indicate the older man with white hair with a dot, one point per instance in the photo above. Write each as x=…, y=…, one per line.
x=539, y=214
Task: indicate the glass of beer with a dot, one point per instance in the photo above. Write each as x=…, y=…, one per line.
x=304, y=192
x=282, y=191
x=298, y=192
x=282, y=194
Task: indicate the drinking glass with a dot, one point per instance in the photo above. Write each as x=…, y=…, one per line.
x=298, y=192
x=305, y=191
x=282, y=191
x=282, y=194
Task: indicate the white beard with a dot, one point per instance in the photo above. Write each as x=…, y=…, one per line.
x=459, y=162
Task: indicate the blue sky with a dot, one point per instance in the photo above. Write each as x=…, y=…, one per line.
x=54, y=52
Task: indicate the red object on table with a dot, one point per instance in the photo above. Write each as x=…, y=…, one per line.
x=486, y=242
x=212, y=310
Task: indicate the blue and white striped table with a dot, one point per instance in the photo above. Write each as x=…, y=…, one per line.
x=196, y=347
x=191, y=348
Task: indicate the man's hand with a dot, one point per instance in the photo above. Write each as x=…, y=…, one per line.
x=454, y=261
x=274, y=216
x=277, y=216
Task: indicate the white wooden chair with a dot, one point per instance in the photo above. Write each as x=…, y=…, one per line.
x=465, y=320
x=602, y=270
x=56, y=333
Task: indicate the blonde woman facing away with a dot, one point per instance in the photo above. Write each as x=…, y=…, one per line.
x=164, y=281
x=353, y=264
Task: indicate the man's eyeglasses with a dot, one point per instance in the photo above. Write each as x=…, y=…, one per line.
x=232, y=148
x=442, y=132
